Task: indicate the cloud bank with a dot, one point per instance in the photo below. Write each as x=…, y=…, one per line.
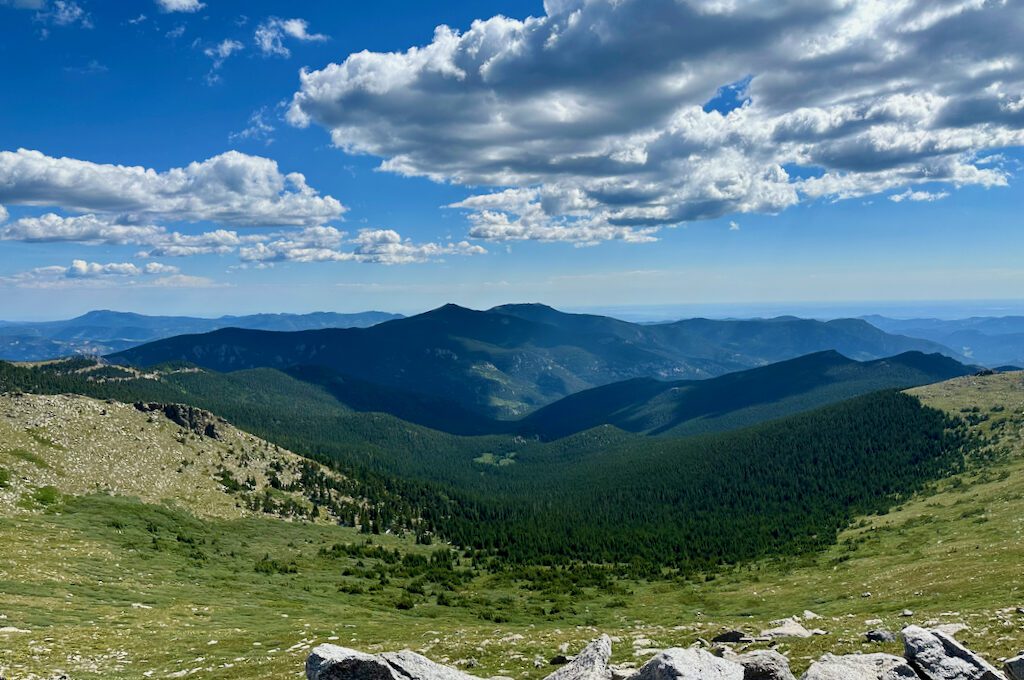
x=327, y=244
x=233, y=188
x=82, y=273
x=611, y=119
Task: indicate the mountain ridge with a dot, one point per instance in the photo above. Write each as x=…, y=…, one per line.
x=103, y=331
x=685, y=407
x=989, y=340
x=510, y=360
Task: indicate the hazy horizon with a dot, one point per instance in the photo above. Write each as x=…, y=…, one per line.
x=901, y=309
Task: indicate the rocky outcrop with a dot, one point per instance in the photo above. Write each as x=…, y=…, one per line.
x=331, y=662
x=730, y=636
x=590, y=664
x=859, y=667
x=189, y=417
x=1015, y=667
x=689, y=664
x=937, y=656
x=764, y=664
x=788, y=628
x=412, y=665
x=930, y=655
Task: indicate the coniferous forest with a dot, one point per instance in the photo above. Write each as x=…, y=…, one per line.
x=604, y=496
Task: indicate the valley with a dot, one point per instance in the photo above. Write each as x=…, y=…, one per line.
x=567, y=499
x=222, y=523
x=87, y=592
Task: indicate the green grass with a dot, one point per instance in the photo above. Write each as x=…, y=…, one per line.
x=29, y=457
x=46, y=495
x=112, y=587
x=500, y=460
x=40, y=436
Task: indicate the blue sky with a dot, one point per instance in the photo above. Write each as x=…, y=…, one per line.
x=595, y=161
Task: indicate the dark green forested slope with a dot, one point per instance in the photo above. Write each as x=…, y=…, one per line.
x=601, y=495
x=735, y=400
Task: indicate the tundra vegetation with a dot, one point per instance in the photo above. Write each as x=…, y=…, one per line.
x=132, y=546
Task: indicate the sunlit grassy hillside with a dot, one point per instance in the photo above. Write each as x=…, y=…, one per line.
x=106, y=586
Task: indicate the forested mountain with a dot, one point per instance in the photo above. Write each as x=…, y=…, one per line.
x=510, y=360
x=736, y=399
x=601, y=495
x=988, y=340
x=103, y=331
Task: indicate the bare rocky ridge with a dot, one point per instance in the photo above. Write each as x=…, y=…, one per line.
x=155, y=452
x=929, y=655
x=191, y=418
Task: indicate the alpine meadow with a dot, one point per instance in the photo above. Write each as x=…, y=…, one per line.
x=512, y=340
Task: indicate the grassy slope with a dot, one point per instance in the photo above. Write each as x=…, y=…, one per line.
x=952, y=555
x=80, y=446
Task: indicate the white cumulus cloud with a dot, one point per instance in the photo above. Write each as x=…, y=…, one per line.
x=611, y=119
x=233, y=188
x=327, y=244
x=83, y=269
x=270, y=35
x=95, y=230
x=188, y=6
x=51, y=228
x=919, y=196
x=83, y=273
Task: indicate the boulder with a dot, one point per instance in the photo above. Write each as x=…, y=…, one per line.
x=764, y=664
x=880, y=635
x=859, y=667
x=189, y=417
x=331, y=662
x=412, y=665
x=787, y=628
x=689, y=664
x=589, y=664
x=1015, y=668
x=937, y=656
x=730, y=636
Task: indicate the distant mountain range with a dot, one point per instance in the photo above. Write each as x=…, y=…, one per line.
x=992, y=341
x=686, y=407
x=508, y=361
x=657, y=407
x=103, y=331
